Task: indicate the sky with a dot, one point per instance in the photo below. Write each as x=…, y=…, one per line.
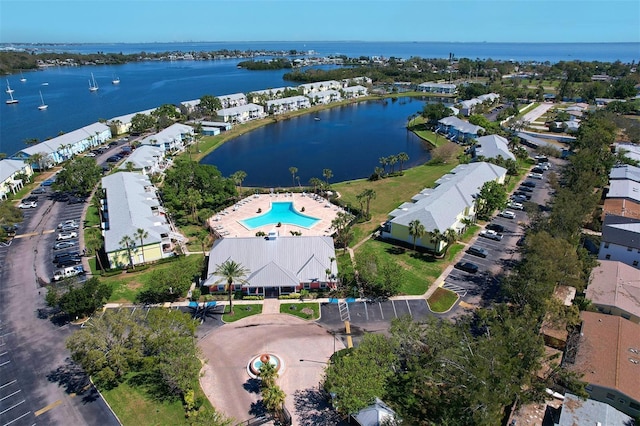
x=139, y=21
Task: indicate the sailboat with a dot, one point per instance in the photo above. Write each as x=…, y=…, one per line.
x=42, y=106
x=116, y=80
x=11, y=101
x=9, y=89
x=22, y=78
x=93, y=86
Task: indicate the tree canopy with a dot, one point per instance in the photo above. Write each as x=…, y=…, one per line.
x=80, y=175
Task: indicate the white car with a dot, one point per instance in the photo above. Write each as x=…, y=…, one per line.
x=71, y=222
x=515, y=205
x=508, y=214
x=90, y=154
x=71, y=271
x=491, y=234
x=28, y=205
x=67, y=235
x=535, y=175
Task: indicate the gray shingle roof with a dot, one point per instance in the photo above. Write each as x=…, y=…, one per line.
x=492, y=146
x=129, y=208
x=144, y=156
x=621, y=231
x=461, y=125
x=283, y=261
x=621, y=188
x=577, y=411
x=625, y=172
x=8, y=167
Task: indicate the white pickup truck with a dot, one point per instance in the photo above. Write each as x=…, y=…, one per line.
x=491, y=234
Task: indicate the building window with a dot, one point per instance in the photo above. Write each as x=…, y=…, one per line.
x=323, y=285
x=588, y=388
x=606, y=245
x=621, y=401
x=635, y=263
x=307, y=286
x=629, y=249
x=608, y=257
x=611, y=396
x=221, y=287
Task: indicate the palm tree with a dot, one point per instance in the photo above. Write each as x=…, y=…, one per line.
x=327, y=174
x=293, y=171
x=129, y=244
x=402, y=158
x=230, y=272
x=369, y=194
x=393, y=159
x=316, y=183
x=238, y=177
x=142, y=234
x=193, y=200
x=436, y=238
x=384, y=161
x=273, y=397
x=416, y=230
x=450, y=236
x=268, y=375
x=94, y=245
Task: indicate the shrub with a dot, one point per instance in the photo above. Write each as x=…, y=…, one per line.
x=252, y=297
x=289, y=296
x=195, y=294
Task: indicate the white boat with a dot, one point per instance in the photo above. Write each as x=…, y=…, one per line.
x=116, y=80
x=93, y=86
x=45, y=84
x=11, y=101
x=9, y=89
x=22, y=78
x=42, y=106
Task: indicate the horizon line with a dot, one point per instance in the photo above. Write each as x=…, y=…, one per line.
x=317, y=41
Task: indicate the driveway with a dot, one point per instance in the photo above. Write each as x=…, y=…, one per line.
x=304, y=348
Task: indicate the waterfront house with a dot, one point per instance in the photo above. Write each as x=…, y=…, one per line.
x=449, y=205
x=241, y=114
x=173, y=138
x=441, y=88
x=614, y=289
x=608, y=358
x=261, y=96
x=122, y=124
x=188, y=107
x=324, y=97
x=293, y=103
x=12, y=173
x=277, y=265
x=620, y=240
x=146, y=159
x=467, y=107
x=352, y=92
x=65, y=146
x=131, y=202
x=320, y=86
x=492, y=146
x=458, y=130
x=233, y=100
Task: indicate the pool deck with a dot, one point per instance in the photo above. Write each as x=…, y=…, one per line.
x=226, y=223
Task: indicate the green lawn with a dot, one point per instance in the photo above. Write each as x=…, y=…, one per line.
x=92, y=218
x=297, y=308
x=420, y=269
x=134, y=406
x=442, y=300
x=390, y=193
x=127, y=285
x=241, y=311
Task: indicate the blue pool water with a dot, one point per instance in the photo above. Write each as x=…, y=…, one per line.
x=283, y=212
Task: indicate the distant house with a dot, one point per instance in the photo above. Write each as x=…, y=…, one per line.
x=441, y=88
x=65, y=146
x=352, y=92
x=11, y=172
x=324, y=97
x=447, y=206
x=623, y=197
x=492, y=146
x=233, y=100
x=131, y=203
x=146, y=159
x=577, y=411
x=630, y=150
x=608, y=357
x=277, y=265
x=122, y=123
x=260, y=96
x=189, y=106
x=293, y=103
x=320, y=86
x=173, y=138
x=458, y=129
x=377, y=414
x=620, y=240
x=241, y=114
x=614, y=289
x=467, y=107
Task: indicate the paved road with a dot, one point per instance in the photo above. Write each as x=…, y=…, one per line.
x=38, y=383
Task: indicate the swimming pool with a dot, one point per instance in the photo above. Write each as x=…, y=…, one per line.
x=282, y=212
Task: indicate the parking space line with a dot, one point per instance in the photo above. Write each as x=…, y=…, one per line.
x=408, y=307
x=394, y=309
x=12, y=407
x=48, y=407
x=18, y=418
x=10, y=395
x=381, y=313
x=366, y=311
x=7, y=384
x=4, y=353
x=4, y=363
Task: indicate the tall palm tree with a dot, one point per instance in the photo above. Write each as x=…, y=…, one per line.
x=293, y=171
x=94, y=245
x=416, y=230
x=231, y=272
x=273, y=397
x=316, y=183
x=384, y=161
x=238, y=177
x=393, y=159
x=436, y=238
x=327, y=174
x=141, y=234
x=402, y=158
x=128, y=243
x=369, y=194
x=450, y=236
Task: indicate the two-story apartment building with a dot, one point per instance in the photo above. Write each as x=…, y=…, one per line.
x=319, y=86
x=440, y=88
x=324, y=97
x=292, y=103
x=173, y=138
x=458, y=130
x=353, y=92
x=241, y=114
x=11, y=173
x=620, y=240
x=233, y=100
x=146, y=159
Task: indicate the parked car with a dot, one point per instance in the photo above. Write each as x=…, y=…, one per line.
x=519, y=198
x=68, y=272
x=30, y=198
x=69, y=228
x=68, y=261
x=114, y=159
x=68, y=222
x=10, y=230
x=472, y=268
x=60, y=196
x=60, y=256
x=39, y=190
x=113, y=143
x=507, y=214
x=525, y=189
x=28, y=204
x=529, y=183
x=61, y=245
x=90, y=154
x=77, y=200
x=495, y=227
x=538, y=170
x=48, y=182
x=67, y=235
x=478, y=251
x=515, y=205
x=490, y=234
x=536, y=175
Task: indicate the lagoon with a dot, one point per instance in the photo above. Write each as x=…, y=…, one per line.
x=348, y=139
